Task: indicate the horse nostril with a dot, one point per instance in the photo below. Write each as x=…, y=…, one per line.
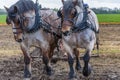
x=19, y=40
x=66, y=33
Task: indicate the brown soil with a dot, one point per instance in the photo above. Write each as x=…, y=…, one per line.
x=105, y=67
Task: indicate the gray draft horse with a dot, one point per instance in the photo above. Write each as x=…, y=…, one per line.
x=32, y=28
x=79, y=29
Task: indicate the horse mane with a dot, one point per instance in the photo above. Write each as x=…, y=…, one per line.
x=23, y=6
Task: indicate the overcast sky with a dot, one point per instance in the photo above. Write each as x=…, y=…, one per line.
x=58, y=4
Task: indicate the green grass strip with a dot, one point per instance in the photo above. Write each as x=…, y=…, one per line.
x=108, y=18
x=102, y=18
x=2, y=19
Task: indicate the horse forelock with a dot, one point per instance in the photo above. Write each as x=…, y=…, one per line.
x=68, y=5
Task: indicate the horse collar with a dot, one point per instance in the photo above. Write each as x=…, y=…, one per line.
x=38, y=22
x=84, y=24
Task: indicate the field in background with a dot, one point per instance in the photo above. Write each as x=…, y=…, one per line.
x=109, y=18
x=2, y=19
x=103, y=18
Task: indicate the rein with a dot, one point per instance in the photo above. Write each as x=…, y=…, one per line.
x=47, y=26
x=52, y=20
x=47, y=29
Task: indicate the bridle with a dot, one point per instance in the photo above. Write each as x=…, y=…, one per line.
x=21, y=19
x=66, y=19
x=21, y=27
x=72, y=21
x=39, y=23
x=12, y=21
x=75, y=27
x=18, y=21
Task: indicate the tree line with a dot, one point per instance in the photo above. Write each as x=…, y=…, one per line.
x=2, y=11
x=105, y=10
x=101, y=10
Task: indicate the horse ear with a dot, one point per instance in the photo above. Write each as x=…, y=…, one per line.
x=75, y=2
x=62, y=1
x=15, y=9
x=6, y=8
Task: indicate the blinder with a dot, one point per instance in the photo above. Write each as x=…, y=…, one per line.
x=8, y=21
x=11, y=16
x=19, y=19
x=75, y=14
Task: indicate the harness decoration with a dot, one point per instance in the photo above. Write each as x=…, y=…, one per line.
x=38, y=21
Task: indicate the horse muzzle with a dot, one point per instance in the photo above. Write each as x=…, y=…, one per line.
x=19, y=40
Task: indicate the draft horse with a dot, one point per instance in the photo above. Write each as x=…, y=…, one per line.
x=34, y=27
x=79, y=29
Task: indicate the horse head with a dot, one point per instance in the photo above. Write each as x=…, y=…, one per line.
x=21, y=16
x=68, y=13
